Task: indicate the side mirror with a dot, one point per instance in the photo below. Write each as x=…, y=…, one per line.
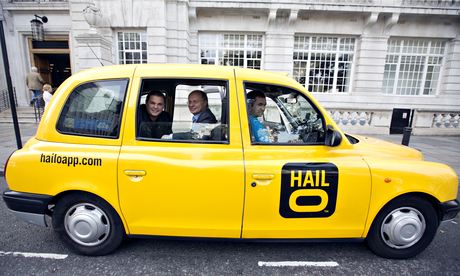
x=333, y=137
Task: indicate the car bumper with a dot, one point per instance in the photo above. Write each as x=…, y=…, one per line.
x=449, y=209
x=28, y=207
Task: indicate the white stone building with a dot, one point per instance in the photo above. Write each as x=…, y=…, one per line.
x=361, y=58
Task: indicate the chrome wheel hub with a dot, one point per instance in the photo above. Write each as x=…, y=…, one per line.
x=87, y=224
x=403, y=227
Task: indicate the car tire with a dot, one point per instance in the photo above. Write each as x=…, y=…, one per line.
x=87, y=224
x=403, y=228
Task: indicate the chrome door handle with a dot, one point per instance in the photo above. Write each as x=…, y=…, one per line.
x=135, y=173
x=263, y=176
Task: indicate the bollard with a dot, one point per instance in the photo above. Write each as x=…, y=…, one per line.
x=406, y=136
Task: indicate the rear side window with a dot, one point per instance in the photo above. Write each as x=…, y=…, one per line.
x=94, y=109
x=183, y=110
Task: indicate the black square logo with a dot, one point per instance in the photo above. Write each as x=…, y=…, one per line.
x=308, y=190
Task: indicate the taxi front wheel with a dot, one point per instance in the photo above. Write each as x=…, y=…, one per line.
x=87, y=224
x=403, y=228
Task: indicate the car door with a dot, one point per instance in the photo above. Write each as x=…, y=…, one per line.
x=184, y=185
x=296, y=186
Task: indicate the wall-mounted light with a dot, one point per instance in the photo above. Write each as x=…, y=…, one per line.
x=37, y=27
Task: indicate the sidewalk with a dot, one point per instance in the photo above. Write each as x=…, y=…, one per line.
x=444, y=149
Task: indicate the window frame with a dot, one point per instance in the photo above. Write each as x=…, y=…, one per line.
x=219, y=36
x=336, y=52
x=401, y=44
x=141, y=34
x=138, y=104
x=120, y=119
x=299, y=92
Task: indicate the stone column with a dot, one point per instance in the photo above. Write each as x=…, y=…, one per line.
x=451, y=81
x=279, y=41
x=92, y=50
x=370, y=65
x=89, y=46
x=278, y=52
x=177, y=26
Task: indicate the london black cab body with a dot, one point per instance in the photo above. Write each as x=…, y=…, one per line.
x=218, y=152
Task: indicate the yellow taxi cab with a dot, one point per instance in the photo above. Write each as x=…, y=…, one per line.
x=217, y=152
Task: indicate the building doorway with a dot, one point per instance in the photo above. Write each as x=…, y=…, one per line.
x=52, y=58
x=54, y=68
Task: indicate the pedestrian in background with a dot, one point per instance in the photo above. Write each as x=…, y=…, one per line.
x=34, y=82
x=47, y=93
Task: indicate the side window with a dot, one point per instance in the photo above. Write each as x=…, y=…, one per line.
x=183, y=110
x=94, y=109
x=280, y=115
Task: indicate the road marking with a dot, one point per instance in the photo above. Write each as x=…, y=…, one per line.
x=454, y=222
x=280, y=264
x=35, y=255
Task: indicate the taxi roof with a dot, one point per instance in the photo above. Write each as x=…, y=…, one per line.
x=186, y=71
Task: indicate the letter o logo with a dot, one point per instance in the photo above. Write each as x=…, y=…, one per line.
x=308, y=208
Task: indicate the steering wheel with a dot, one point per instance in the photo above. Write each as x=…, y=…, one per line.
x=310, y=130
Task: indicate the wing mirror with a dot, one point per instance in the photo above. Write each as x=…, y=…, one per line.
x=333, y=137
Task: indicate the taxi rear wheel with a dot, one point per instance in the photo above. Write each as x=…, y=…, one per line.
x=403, y=228
x=87, y=224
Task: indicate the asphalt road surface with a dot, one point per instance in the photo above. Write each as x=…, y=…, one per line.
x=27, y=249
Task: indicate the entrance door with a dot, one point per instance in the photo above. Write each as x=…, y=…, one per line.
x=54, y=68
x=43, y=66
x=52, y=59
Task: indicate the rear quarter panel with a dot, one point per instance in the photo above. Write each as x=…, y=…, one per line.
x=36, y=168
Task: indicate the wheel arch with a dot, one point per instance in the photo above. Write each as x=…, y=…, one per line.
x=62, y=194
x=425, y=196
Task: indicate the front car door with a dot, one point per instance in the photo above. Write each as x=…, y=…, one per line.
x=296, y=186
x=183, y=185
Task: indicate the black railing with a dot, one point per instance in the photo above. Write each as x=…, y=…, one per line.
x=39, y=108
x=5, y=99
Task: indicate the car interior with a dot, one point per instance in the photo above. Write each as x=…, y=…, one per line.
x=176, y=92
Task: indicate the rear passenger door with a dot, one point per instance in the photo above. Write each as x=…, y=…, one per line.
x=183, y=185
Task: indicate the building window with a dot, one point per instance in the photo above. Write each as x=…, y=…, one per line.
x=413, y=66
x=243, y=50
x=132, y=48
x=323, y=64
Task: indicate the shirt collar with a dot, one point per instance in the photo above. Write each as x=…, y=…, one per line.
x=195, y=117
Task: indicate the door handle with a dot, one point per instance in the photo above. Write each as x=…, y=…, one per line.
x=263, y=176
x=135, y=173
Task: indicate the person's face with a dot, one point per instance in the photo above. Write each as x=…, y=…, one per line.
x=155, y=106
x=196, y=104
x=258, y=107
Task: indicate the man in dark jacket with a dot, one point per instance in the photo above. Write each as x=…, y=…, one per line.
x=198, y=106
x=155, y=122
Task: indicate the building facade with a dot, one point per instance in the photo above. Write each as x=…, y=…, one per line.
x=374, y=64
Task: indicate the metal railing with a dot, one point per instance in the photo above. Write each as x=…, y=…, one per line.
x=5, y=99
x=39, y=108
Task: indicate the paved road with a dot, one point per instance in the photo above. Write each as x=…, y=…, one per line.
x=171, y=257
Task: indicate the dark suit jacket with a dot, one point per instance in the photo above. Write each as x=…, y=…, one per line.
x=154, y=129
x=207, y=117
